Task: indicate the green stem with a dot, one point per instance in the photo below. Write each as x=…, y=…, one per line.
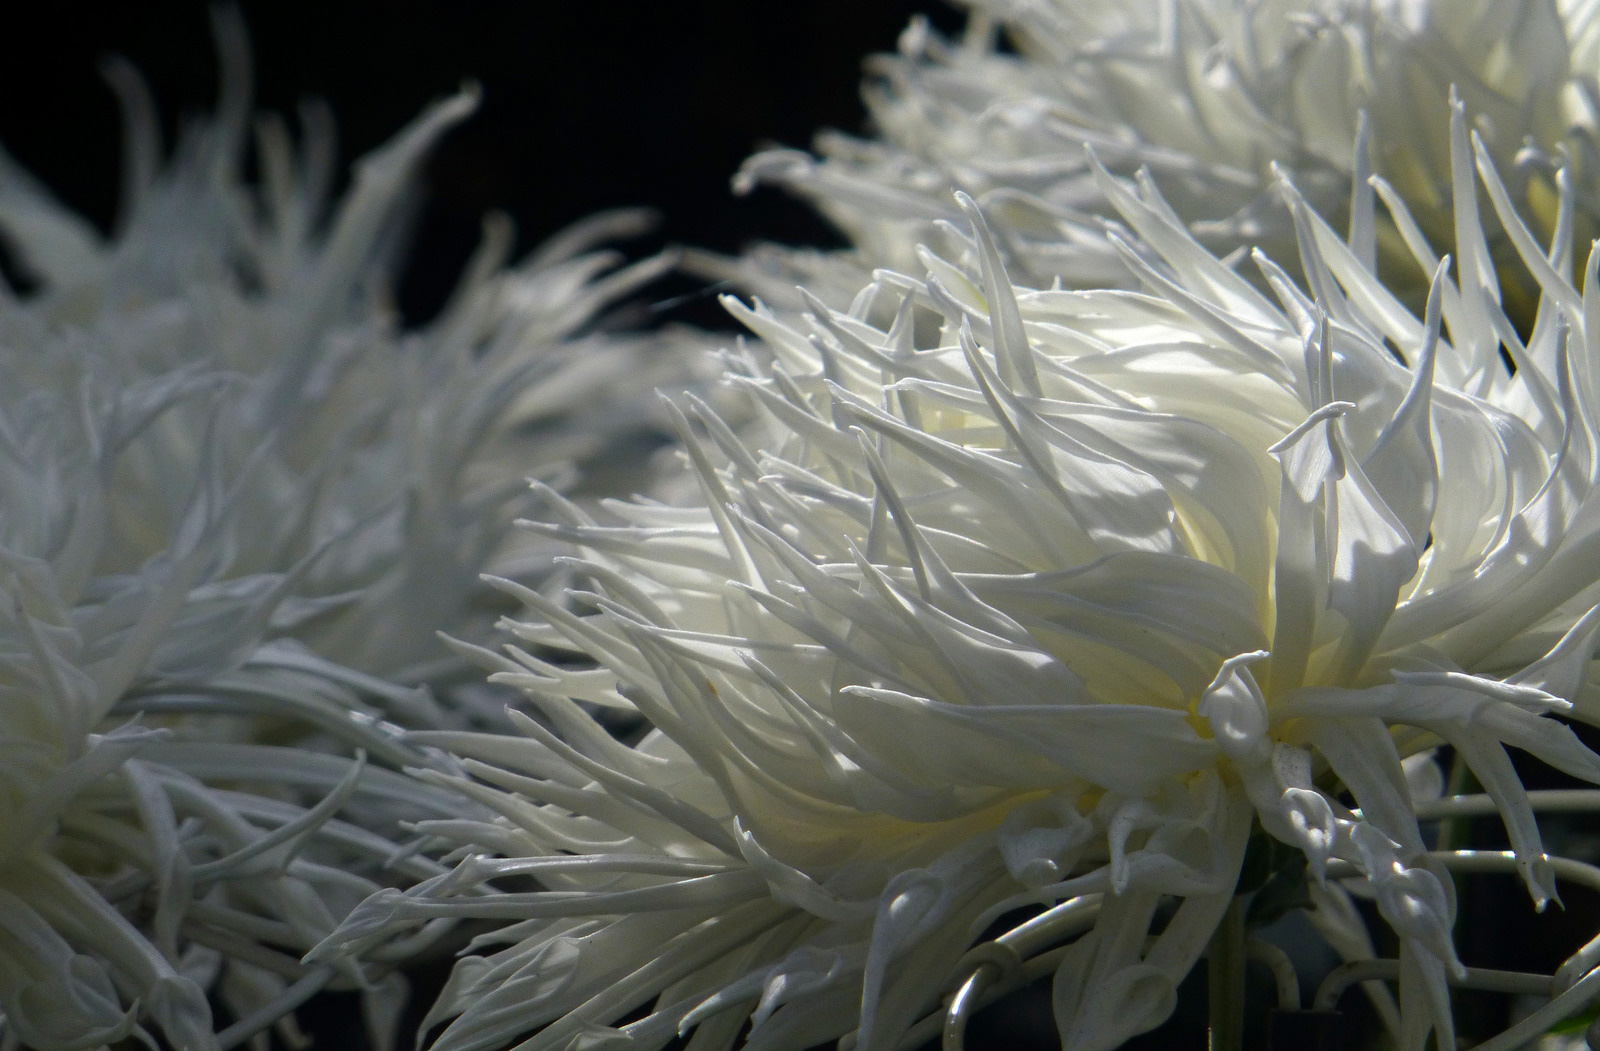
x=1225, y=979
x=1454, y=832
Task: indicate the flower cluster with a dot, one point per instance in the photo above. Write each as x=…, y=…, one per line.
x=1055, y=549
x=1041, y=597
x=238, y=503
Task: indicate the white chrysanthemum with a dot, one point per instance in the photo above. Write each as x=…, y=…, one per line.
x=1206, y=94
x=1041, y=597
x=238, y=502
x=151, y=849
x=402, y=453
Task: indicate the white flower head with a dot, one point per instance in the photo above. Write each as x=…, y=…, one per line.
x=1041, y=598
x=238, y=502
x=396, y=456
x=1209, y=95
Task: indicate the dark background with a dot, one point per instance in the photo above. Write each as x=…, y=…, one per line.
x=587, y=105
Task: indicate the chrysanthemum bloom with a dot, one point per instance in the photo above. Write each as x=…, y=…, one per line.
x=1208, y=95
x=238, y=502
x=402, y=452
x=1041, y=597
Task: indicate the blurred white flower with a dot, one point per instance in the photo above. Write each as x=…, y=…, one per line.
x=401, y=453
x=237, y=501
x=1206, y=94
x=1040, y=598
